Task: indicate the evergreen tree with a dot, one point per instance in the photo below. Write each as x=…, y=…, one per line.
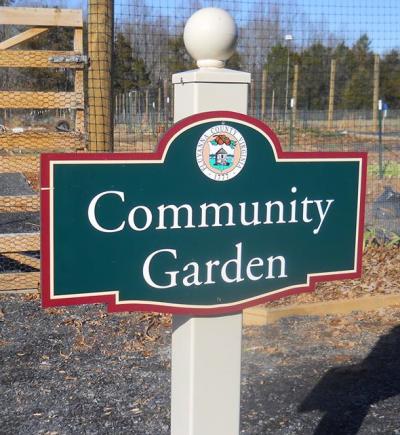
x=276, y=67
x=234, y=62
x=345, y=65
x=129, y=72
x=178, y=59
x=390, y=79
x=315, y=70
x=357, y=93
x=122, y=64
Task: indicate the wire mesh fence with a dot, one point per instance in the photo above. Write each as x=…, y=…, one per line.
x=325, y=77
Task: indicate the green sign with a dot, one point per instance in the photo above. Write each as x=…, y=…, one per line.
x=218, y=219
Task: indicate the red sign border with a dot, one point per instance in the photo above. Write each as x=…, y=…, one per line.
x=110, y=300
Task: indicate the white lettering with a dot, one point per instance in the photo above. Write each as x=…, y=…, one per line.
x=254, y=262
x=293, y=205
x=192, y=278
x=210, y=264
x=269, y=205
x=321, y=212
x=305, y=203
x=238, y=266
x=131, y=218
x=271, y=267
x=175, y=213
x=255, y=220
x=146, y=270
x=92, y=212
x=217, y=212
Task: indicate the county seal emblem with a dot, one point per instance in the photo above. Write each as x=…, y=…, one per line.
x=221, y=152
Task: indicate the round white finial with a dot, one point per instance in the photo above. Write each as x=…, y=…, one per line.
x=210, y=37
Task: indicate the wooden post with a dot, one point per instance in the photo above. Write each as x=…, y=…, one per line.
x=331, y=100
x=159, y=103
x=166, y=100
x=125, y=101
x=100, y=101
x=376, y=93
x=264, y=94
x=145, y=119
x=80, y=113
x=135, y=105
x=273, y=105
x=294, y=94
x=252, y=97
x=130, y=111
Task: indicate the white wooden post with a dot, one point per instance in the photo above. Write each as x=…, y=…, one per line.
x=206, y=351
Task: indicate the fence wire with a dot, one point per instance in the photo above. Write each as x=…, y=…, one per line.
x=325, y=77
x=41, y=110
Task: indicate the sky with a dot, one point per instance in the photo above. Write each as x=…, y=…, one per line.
x=351, y=18
x=343, y=19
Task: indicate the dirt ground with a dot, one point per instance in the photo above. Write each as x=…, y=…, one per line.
x=83, y=371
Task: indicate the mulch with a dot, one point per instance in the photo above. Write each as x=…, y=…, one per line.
x=380, y=276
x=79, y=370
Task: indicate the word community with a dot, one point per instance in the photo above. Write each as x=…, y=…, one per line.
x=141, y=218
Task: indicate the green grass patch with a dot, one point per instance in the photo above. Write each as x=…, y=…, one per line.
x=390, y=169
x=380, y=236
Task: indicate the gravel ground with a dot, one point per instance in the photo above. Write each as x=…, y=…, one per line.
x=83, y=371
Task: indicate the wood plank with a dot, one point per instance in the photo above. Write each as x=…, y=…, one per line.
x=78, y=39
x=42, y=141
x=263, y=315
x=22, y=37
x=15, y=204
x=19, y=242
x=24, y=259
x=40, y=100
x=36, y=59
x=19, y=281
x=19, y=163
x=78, y=84
x=79, y=114
x=49, y=17
x=80, y=121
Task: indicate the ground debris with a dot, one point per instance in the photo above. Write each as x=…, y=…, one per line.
x=119, y=382
x=381, y=276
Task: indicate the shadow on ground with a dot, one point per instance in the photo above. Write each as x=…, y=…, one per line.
x=346, y=393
